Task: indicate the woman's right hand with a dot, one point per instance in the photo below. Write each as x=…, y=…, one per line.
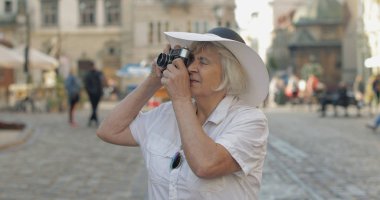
x=156, y=70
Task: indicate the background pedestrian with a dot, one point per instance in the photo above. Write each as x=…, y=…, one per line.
x=73, y=87
x=94, y=82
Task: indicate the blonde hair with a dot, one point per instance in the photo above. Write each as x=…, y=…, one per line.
x=234, y=78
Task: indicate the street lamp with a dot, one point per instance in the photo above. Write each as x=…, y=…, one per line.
x=27, y=42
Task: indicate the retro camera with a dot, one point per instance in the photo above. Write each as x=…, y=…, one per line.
x=164, y=59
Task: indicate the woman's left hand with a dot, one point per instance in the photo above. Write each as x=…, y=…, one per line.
x=176, y=80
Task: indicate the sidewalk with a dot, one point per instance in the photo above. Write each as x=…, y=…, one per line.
x=309, y=157
x=11, y=138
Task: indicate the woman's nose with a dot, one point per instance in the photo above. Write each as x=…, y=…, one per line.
x=192, y=67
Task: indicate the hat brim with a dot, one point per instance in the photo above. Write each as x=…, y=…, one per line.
x=253, y=65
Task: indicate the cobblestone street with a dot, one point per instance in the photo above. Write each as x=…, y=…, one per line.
x=60, y=162
x=320, y=158
x=308, y=158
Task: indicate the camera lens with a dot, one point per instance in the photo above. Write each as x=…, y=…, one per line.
x=162, y=60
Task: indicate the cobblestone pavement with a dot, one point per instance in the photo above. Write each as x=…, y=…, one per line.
x=60, y=162
x=320, y=158
x=308, y=158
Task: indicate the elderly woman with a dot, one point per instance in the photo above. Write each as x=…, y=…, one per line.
x=209, y=141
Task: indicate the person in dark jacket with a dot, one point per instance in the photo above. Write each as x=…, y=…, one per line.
x=94, y=81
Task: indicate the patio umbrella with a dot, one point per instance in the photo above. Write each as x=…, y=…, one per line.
x=38, y=59
x=372, y=61
x=10, y=58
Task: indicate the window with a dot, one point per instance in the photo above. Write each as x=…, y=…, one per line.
x=2, y=75
x=150, y=39
x=329, y=33
x=49, y=12
x=189, y=26
x=228, y=25
x=113, y=10
x=197, y=27
x=8, y=7
x=87, y=12
x=219, y=22
x=159, y=32
x=205, y=27
x=166, y=26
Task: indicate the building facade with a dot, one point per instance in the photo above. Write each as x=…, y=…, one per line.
x=110, y=33
x=319, y=29
x=369, y=35
x=278, y=53
x=324, y=30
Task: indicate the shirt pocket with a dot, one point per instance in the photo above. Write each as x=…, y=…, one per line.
x=160, y=151
x=204, y=186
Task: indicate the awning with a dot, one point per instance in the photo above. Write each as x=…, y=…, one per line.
x=38, y=59
x=14, y=58
x=9, y=58
x=372, y=61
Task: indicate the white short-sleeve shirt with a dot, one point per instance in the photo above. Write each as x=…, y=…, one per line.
x=242, y=130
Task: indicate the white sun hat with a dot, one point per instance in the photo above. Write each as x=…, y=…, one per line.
x=253, y=65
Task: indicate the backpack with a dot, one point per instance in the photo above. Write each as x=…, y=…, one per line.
x=94, y=83
x=72, y=86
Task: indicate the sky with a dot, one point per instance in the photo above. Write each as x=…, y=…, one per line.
x=255, y=31
x=244, y=9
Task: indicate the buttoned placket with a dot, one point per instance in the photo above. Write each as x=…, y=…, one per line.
x=174, y=173
x=173, y=180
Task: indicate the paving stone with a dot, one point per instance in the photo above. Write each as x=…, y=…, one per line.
x=308, y=158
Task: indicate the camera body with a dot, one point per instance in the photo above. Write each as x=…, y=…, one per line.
x=164, y=59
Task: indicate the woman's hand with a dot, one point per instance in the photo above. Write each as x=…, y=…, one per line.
x=176, y=80
x=156, y=71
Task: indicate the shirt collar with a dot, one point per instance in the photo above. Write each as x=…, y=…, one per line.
x=221, y=110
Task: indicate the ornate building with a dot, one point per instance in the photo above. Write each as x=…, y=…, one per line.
x=355, y=28
x=319, y=29
x=278, y=54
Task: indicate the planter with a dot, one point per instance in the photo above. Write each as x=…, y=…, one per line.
x=11, y=126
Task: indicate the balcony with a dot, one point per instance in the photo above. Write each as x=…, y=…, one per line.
x=8, y=19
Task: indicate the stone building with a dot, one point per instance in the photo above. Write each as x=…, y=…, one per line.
x=111, y=33
x=355, y=28
x=279, y=55
x=319, y=29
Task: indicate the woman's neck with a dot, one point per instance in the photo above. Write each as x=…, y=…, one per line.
x=205, y=106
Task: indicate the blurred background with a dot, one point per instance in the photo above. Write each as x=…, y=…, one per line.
x=323, y=57
x=121, y=38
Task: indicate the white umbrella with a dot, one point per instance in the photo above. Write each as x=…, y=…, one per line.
x=10, y=58
x=372, y=61
x=38, y=59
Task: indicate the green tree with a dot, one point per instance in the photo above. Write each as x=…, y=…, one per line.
x=311, y=68
x=272, y=64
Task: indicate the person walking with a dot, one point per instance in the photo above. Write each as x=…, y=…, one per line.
x=359, y=91
x=209, y=141
x=94, y=82
x=73, y=87
x=374, y=124
x=376, y=90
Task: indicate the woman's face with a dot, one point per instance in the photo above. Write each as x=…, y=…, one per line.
x=205, y=73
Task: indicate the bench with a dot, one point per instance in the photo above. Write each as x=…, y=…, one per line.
x=340, y=98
